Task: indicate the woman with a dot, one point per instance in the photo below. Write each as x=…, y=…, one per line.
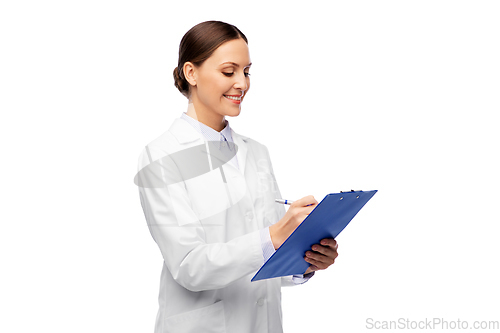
x=208, y=197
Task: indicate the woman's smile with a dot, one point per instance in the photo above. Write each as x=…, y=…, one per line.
x=234, y=98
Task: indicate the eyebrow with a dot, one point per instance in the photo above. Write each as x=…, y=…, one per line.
x=235, y=64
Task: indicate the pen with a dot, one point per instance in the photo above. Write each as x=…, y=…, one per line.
x=283, y=201
x=287, y=202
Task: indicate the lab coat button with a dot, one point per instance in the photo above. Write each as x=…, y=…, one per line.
x=260, y=302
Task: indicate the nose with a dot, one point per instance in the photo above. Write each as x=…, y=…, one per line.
x=241, y=82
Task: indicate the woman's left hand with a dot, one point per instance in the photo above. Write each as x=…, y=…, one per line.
x=322, y=255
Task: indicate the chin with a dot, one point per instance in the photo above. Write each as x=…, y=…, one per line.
x=233, y=113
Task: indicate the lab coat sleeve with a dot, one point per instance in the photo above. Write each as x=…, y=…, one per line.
x=268, y=250
x=302, y=278
x=290, y=280
x=294, y=280
x=193, y=263
x=267, y=244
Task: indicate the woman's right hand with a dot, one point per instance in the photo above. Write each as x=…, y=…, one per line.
x=297, y=213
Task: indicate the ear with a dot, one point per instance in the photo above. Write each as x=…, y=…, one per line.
x=190, y=73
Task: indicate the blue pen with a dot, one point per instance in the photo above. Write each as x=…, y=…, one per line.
x=287, y=202
x=283, y=201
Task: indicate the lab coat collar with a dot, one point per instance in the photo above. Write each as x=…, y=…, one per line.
x=184, y=133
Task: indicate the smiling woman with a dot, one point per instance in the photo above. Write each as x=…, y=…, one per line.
x=216, y=223
x=213, y=71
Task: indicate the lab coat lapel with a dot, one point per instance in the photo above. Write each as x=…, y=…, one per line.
x=241, y=154
x=184, y=132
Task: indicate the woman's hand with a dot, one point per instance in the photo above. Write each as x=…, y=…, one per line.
x=322, y=255
x=294, y=216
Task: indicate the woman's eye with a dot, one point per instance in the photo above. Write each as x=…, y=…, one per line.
x=230, y=74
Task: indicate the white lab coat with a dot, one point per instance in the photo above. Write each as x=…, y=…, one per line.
x=210, y=258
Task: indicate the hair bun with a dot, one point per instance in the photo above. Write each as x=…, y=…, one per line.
x=181, y=83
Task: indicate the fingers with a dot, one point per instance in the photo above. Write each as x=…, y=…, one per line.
x=321, y=261
x=323, y=256
x=305, y=201
x=308, y=210
x=300, y=209
x=330, y=242
x=326, y=256
x=305, y=205
x=328, y=249
x=311, y=268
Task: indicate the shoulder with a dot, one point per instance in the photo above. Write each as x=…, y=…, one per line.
x=164, y=144
x=256, y=148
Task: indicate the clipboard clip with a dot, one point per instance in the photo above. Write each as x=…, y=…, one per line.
x=351, y=191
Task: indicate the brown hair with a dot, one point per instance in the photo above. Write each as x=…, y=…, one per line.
x=199, y=43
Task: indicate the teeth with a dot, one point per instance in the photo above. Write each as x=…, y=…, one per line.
x=234, y=98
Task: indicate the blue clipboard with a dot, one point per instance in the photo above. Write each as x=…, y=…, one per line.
x=326, y=220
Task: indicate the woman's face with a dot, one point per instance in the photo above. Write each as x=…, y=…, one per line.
x=222, y=81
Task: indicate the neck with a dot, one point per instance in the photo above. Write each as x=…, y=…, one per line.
x=212, y=120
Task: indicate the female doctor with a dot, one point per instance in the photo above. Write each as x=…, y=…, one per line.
x=208, y=194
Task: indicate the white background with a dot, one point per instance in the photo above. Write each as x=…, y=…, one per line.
x=397, y=96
